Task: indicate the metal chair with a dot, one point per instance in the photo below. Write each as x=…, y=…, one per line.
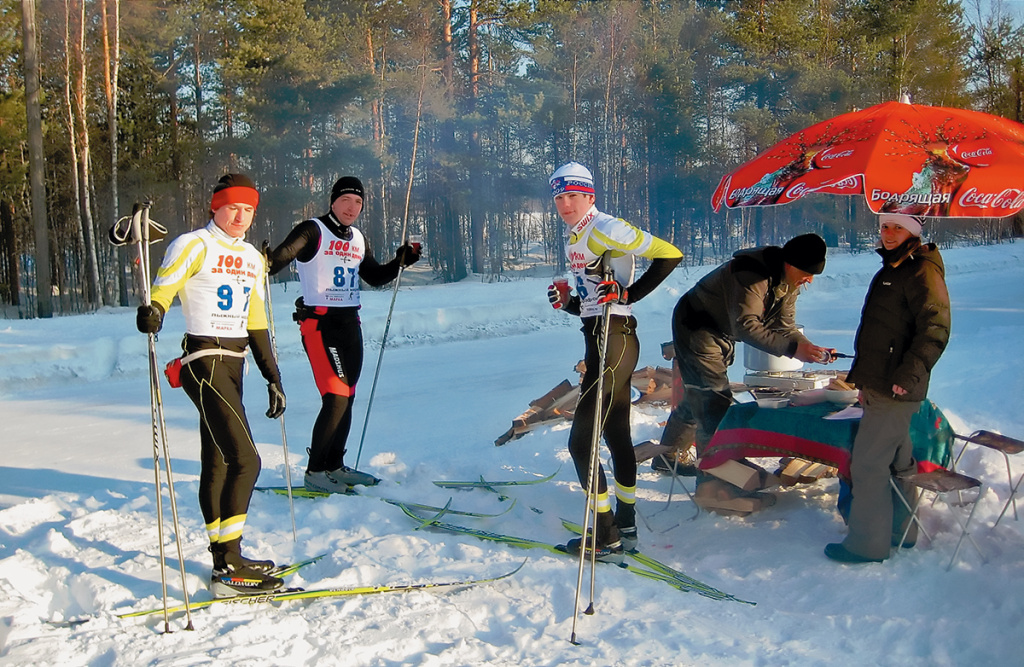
x=1006, y=446
x=941, y=482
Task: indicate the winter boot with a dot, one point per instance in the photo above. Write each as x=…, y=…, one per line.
x=609, y=545
x=682, y=463
x=234, y=574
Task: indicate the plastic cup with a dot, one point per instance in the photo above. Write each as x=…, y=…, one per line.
x=416, y=241
x=562, y=285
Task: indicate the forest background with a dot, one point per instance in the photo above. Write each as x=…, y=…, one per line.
x=453, y=113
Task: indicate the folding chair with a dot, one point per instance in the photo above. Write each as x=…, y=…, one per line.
x=941, y=482
x=1005, y=445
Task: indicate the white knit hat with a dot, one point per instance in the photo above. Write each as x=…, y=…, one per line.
x=571, y=177
x=911, y=223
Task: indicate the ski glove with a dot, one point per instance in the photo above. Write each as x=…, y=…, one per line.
x=609, y=291
x=557, y=297
x=407, y=254
x=149, y=319
x=277, y=402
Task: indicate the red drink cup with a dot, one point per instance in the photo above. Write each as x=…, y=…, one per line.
x=562, y=285
x=416, y=241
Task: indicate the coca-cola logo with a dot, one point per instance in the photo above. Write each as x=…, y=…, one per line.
x=1008, y=199
x=972, y=154
x=829, y=154
x=796, y=191
x=848, y=183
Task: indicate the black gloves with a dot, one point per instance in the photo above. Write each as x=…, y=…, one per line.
x=407, y=254
x=277, y=402
x=149, y=319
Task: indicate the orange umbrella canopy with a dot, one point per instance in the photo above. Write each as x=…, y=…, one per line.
x=904, y=158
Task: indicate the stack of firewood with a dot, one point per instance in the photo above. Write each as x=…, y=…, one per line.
x=559, y=404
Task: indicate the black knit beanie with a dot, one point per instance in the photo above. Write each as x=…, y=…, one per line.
x=805, y=252
x=347, y=185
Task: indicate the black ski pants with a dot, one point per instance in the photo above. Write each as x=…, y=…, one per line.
x=230, y=463
x=620, y=362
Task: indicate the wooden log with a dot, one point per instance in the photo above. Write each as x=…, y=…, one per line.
x=744, y=475
x=550, y=398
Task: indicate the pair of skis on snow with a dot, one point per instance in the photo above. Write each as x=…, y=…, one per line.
x=288, y=594
x=651, y=567
x=645, y=566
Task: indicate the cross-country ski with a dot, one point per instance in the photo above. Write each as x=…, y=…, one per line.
x=287, y=595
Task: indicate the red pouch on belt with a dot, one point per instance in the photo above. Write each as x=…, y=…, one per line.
x=173, y=372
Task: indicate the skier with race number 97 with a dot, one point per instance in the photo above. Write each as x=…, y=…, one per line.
x=220, y=279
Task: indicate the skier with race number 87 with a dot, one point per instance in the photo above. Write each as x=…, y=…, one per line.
x=332, y=257
x=220, y=280
x=591, y=235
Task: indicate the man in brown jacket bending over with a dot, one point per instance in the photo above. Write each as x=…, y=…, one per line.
x=752, y=299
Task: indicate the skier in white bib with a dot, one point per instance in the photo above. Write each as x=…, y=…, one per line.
x=220, y=279
x=591, y=235
x=332, y=257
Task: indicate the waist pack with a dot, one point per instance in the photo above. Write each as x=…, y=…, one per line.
x=173, y=368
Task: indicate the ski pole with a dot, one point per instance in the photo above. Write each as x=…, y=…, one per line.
x=595, y=445
x=135, y=235
x=137, y=232
x=154, y=375
x=380, y=355
x=284, y=435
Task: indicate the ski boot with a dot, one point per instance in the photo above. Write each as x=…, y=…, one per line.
x=625, y=520
x=325, y=482
x=609, y=544
x=234, y=574
x=353, y=477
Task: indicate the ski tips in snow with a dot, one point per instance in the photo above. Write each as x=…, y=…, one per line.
x=482, y=483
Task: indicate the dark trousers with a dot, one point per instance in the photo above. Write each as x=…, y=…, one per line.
x=230, y=462
x=704, y=357
x=335, y=351
x=620, y=362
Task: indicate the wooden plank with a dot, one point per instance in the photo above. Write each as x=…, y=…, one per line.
x=648, y=449
x=550, y=398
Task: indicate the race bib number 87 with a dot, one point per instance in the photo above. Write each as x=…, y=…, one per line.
x=345, y=276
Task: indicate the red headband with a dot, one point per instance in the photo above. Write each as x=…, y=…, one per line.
x=236, y=194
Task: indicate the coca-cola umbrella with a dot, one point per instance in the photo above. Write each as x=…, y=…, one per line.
x=904, y=158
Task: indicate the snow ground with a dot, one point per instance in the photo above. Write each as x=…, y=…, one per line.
x=78, y=532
